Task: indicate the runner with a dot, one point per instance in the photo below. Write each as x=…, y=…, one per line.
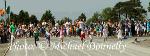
x=61, y=34
x=17, y=32
x=48, y=35
x=82, y=36
x=120, y=37
x=101, y=30
x=12, y=29
x=105, y=33
x=97, y=30
x=91, y=34
x=36, y=36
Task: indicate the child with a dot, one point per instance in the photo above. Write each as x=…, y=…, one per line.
x=82, y=36
x=91, y=34
x=105, y=33
x=48, y=35
x=97, y=30
x=36, y=36
x=120, y=37
x=61, y=34
x=18, y=32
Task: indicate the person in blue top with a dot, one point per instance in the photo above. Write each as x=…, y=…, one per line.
x=48, y=35
x=148, y=27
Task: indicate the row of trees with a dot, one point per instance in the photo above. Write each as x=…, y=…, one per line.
x=63, y=20
x=67, y=19
x=23, y=18
x=131, y=9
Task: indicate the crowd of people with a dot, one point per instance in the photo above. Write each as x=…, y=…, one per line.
x=101, y=29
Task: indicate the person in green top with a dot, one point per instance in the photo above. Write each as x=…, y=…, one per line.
x=36, y=35
x=12, y=29
x=97, y=30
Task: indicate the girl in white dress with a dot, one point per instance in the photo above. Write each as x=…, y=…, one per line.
x=105, y=33
x=120, y=37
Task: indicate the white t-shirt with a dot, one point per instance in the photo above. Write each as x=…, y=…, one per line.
x=31, y=25
x=120, y=34
x=43, y=23
x=81, y=24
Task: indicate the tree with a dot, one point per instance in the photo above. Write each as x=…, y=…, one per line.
x=89, y=21
x=108, y=13
x=61, y=22
x=67, y=19
x=33, y=19
x=149, y=7
x=94, y=18
x=21, y=17
x=82, y=17
x=26, y=18
x=48, y=17
x=130, y=9
x=8, y=10
x=64, y=20
x=14, y=18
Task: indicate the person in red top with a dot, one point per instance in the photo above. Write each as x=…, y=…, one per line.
x=82, y=36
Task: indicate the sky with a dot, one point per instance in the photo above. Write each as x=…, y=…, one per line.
x=63, y=8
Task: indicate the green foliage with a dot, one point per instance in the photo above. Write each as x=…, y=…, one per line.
x=8, y=10
x=107, y=13
x=65, y=19
x=149, y=7
x=26, y=18
x=48, y=17
x=82, y=17
x=94, y=18
x=33, y=19
x=89, y=21
x=23, y=18
x=130, y=9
